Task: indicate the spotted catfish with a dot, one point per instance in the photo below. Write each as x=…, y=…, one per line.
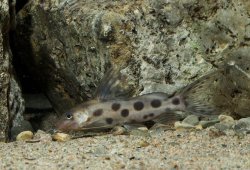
x=107, y=112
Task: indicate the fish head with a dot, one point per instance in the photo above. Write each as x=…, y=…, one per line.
x=75, y=119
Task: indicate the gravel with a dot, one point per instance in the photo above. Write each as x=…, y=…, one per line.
x=160, y=149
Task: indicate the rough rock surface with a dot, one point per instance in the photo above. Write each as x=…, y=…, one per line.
x=4, y=71
x=12, y=102
x=162, y=46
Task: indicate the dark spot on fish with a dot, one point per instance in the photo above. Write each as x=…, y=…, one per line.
x=151, y=115
x=109, y=120
x=116, y=106
x=125, y=112
x=98, y=112
x=138, y=105
x=176, y=101
x=156, y=103
x=145, y=116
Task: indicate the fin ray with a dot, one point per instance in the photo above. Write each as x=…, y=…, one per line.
x=111, y=86
x=166, y=118
x=198, y=96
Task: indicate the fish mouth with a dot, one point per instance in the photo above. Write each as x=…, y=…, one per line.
x=67, y=125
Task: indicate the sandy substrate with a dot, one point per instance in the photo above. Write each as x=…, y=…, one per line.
x=155, y=150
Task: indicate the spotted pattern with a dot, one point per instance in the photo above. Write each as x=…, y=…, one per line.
x=145, y=116
x=138, y=105
x=155, y=103
x=109, y=121
x=176, y=101
x=125, y=112
x=116, y=106
x=98, y=112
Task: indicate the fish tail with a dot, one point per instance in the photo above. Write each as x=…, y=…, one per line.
x=198, y=96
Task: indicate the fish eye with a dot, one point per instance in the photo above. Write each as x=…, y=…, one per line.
x=69, y=116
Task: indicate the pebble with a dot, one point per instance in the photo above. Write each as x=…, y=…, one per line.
x=61, y=137
x=198, y=127
x=42, y=136
x=191, y=119
x=214, y=132
x=243, y=125
x=24, y=126
x=130, y=127
x=137, y=132
x=25, y=135
x=226, y=120
x=226, y=123
x=181, y=125
x=221, y=127
x=143, y=143
x=206, y=124
x=143, y=129
x=118, y=130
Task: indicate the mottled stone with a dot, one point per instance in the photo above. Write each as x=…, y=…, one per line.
x=42, y=136
x=61, y=137
x=22, y=126
x=181, y=125
x=206, y=124
x=221, y=127
x=191, y=119
x=226, y=120
x=243, y=125
x=118, y=130
x=137, y=132
x=16, y=102
x=4, y=70
x=214, y=132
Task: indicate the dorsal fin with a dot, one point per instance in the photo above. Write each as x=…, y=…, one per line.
x=112, y=85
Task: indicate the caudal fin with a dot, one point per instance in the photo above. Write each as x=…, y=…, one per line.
x=198, y=96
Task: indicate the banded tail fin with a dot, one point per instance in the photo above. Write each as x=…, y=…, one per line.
x=199, y=95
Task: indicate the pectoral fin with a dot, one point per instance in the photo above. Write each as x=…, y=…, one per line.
x=168, y=117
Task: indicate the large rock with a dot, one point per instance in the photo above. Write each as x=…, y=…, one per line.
x=161, y=45
x=11, y=103
x=4, y=70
